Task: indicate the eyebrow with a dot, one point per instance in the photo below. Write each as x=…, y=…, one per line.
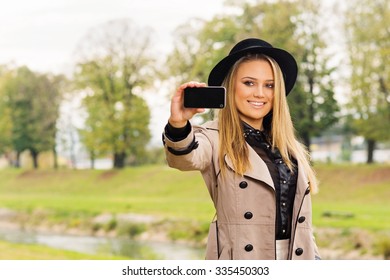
x=252, y=78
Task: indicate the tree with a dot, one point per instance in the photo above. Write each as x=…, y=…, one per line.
x=33, y=102
x=5, y=115
x=313, y=104
x=368, y=41
x=198, y=46
x=68, y=124
x=114, y=67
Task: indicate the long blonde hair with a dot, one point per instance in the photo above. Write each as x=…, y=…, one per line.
x=232, y=142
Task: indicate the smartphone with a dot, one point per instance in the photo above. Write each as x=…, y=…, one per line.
x=205, y=97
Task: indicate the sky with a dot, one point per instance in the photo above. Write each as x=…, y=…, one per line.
x=43, y=34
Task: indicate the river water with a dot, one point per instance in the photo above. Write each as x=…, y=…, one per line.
x=105, y=245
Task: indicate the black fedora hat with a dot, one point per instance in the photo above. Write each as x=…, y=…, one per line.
x=286, y=61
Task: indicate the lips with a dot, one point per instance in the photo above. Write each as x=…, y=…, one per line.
x=256, y=103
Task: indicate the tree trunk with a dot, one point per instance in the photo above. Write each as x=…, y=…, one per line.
x=306, y=140
x=55, y=155
x=119, y=160
x=34, y=156
x=17, y=160
x=370, y=150
x=92, y=156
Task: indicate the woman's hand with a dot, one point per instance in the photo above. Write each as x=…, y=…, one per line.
x=179, y=114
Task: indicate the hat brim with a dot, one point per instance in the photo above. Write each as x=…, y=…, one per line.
x=286, y=62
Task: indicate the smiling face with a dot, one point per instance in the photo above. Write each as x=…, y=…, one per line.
x=254, y=91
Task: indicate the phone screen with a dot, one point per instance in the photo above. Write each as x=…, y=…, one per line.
x=205, y=97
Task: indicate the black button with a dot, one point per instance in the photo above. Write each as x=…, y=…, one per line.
x=301, y=219
x=243, y=185
x=248, y=215
x=299, y=251
x=307, y=191
x=249, y=247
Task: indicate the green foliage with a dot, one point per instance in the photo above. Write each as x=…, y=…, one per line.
x=111, y=225
x=130, y=229
x=198, y=46
x=113, y=69
x=313, y=104
x=189, y=230
x=30, y=107
x=5, y=113
x=383, y=247
x=368, y=42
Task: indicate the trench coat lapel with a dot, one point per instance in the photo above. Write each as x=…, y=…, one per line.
x=259, y=170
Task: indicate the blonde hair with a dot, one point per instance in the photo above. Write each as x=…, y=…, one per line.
x=232, y=141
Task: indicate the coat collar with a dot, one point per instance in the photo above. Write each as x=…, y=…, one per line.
x=259, y=170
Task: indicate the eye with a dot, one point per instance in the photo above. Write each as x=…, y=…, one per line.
x=248, y=83
x=269, y=85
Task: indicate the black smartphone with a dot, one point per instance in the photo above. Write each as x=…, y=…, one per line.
x=205, y=97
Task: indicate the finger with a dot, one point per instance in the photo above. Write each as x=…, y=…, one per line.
x=200, y=84
x=192, y=84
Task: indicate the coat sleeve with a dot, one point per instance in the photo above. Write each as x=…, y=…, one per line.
x=192, y=153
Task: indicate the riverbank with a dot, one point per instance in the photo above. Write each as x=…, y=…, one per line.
x=147, y=237
x=131, y=225
x=121, y=236
x=158, y=204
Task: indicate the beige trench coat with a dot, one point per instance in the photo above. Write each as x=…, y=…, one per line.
x=235, y=234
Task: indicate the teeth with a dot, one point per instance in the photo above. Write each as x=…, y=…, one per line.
x=256, y=103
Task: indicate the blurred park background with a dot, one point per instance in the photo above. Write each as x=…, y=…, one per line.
x=83, y=174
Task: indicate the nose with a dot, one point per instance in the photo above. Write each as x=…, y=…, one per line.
x=258, y=92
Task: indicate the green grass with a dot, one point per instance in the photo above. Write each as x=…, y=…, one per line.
x=155, y=190
x=12, y=251
x=354, y=195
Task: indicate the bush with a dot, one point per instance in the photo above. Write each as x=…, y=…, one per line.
x=383, y=247
x=130, y=229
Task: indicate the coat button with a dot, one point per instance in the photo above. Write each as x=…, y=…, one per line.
x=307, y=191
x=249, y=247
x=248, y=215
x=301, y=219
x=243, y=185
x=299, y=251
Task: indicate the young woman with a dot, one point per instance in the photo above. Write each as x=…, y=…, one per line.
x=257, y=173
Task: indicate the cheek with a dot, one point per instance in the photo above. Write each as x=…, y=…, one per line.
x=270, y=95
x=240, y=93
x=237, y=94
